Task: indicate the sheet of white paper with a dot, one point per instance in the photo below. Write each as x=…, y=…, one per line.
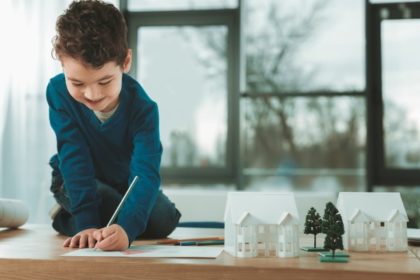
x=153, y=251
x=190, y=233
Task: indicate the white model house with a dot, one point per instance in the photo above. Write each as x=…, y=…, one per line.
x=373, y=221
x=258, y=223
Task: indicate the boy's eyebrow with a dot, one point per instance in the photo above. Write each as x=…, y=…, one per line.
x=101, y=79
x=73, y=79
x=105, y=78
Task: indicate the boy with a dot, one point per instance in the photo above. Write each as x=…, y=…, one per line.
x=107, y=133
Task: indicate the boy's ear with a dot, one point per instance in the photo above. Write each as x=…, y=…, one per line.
x=127, y=62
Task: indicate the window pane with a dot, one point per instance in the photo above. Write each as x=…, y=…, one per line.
x=304, y=143
x=304, y=45
x=148, y=5
x=187, y=79
x=401, y=88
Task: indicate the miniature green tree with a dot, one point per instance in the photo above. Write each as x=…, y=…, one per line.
x=313, y=223
x=333, y=227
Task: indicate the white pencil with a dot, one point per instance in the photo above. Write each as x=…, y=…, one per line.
x=122, y=201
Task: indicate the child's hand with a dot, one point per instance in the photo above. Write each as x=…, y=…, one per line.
x=112, y=238
x=83, y=239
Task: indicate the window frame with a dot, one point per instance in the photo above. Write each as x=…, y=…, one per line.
x=377, y=172
x=229, y=174
x=234, y=172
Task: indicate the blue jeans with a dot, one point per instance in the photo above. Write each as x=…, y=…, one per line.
x=162, y=221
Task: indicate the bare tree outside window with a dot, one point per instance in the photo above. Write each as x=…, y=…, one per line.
x=281, y=132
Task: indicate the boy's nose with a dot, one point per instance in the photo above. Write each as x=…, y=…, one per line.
x=92, y=94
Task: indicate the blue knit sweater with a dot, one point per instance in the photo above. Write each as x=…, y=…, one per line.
x=126, y=145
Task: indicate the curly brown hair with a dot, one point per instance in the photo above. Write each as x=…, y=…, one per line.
x=92, y=31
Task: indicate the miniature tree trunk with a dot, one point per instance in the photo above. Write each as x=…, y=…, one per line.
x=313, y=223
x=333, y=227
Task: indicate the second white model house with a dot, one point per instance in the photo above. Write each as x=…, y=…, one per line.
x=373, y=221
x=258, y=223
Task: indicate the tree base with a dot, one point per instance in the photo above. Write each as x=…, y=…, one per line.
x=334, y=260
x=314, y=249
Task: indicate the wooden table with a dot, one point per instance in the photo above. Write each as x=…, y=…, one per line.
x=34, y=252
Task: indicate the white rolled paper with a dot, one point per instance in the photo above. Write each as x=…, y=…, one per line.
x=13, y=213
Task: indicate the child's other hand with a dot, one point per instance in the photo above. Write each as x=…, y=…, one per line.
x=112, y=238
x=83, y=239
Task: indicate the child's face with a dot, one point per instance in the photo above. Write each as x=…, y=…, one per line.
x=96, y=88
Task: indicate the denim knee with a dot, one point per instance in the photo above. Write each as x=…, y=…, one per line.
x=163, y=219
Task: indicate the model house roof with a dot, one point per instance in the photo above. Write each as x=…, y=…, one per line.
x=245, y=218
x=373, y=206
x=260, y=208
x=397, y=216
x=359, y=216
x=286, y=217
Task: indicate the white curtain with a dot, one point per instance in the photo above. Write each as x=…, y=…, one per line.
x=26, y=139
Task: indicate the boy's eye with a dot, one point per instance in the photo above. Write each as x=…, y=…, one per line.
x=77, y=84
x=105, y=83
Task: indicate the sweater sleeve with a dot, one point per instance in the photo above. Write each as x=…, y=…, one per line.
x=75, y=163
x=145, y=163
